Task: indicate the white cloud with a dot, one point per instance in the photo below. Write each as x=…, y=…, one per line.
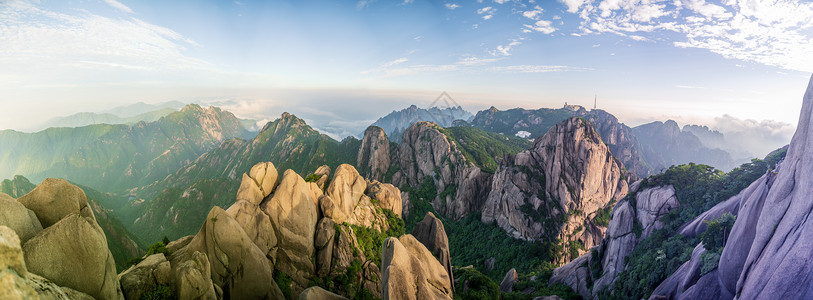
x=504, y=50
x=532, y=14
x=487, y=11
x=759, y=137
x=775, y=33
x=117, y=5
x=541, y=26
x=452, y=6
x=487, y=17
x=501, y=1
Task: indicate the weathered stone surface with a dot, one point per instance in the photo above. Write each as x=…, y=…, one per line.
x=193, y=278
x=325, y=233
x=374, y=154
x=140, y=278
x=73, y=253
x=431, y=233
x=237, y=265
x=318, y=293
x=425, y=151
x=653, y=203
x=409, y=271
x=249, y=191
x=326, y=206
x=258, y=183
x=176, y=245
x=324, y=172
x=576, y=175
x=20, y=219
x=255, y=223
x=508, y=281
x=54, y=199
x=293, y=216
x=11, y=252
x=387, y=195
x=574, y=274
x=345, y=190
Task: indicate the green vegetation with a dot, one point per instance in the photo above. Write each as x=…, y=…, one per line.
x=17, y=187
x=484, y=148
x=504, y=121
x=283, y=282
x=698, y=188
x=473, y=285
x=159, y=292
x=714, y=238
x=313, y=177
x=603, y=215
x=709, y=262
x=156, y=248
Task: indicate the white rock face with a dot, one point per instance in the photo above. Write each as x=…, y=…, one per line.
x=653, y=203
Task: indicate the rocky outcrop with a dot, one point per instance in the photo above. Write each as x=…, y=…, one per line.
x=287, y=229
x=424, y=152
x=555, y=189
x=69, y=256
x=318, y=293
x=685, y=276
x=430, y=233
x=19, y=218
x=768, y=250
x=409, y=271
x=509, y=280
x=54, y=199
x=651, y=203
x=324, y=173
x=373, y=159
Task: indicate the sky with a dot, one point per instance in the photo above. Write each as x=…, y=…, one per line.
x=342, y=64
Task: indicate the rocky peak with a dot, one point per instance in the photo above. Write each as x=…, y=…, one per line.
x=285, y=123
x=555, y=189
x=374, y=155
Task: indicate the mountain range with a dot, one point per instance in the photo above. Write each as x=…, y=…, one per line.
x=513, y=204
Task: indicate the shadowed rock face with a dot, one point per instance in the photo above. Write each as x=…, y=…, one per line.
x=374, y=155
x=768, y=251
x=568, y=175
x=425, y=151
x=430, y=233
x=409, y=271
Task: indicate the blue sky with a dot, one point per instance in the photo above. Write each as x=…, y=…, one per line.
x=342, y=64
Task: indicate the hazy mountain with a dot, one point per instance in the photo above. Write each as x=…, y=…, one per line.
x=664, y=145
x=140, y=108
x=117, y=157
x=89, y=118
x=396, y=122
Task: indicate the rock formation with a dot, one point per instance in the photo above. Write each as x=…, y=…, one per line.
x=555, y=189
x=285, y=227
x=69, y=255
x=409, y=271
x=430, y=233
x=507, y=283
x=424, y=152
x=374, y=155
x=768, y=249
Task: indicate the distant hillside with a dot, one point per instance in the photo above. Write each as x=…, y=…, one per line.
x=397, y=121
x=176, y=205
x=89, y=118
x=141, y=108
x=117, y=157
x=665, y=145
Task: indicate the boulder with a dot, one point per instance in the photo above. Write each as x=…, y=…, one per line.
x=324, y=172
x=409, y=271
x=237, y=265
x=387, y=195
x=293, y=216
x=258, y=183
x=430, y=233
x=508, y=282
x=318, y=293
x=73, y=253
x=176, y=245
x=653, y=203
x=325, y=232
x=20, y=219
x=683, y=278
x=345, y=190
x=11, y=253
x=574, y=274
x=255, y=223
x=141, y=278
x=54, y=199
x=326, y=206
x=193, y=278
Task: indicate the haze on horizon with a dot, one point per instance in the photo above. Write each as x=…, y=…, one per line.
x=726, y=64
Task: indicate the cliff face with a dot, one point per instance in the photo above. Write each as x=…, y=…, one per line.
x=373, y=159
x=556, y=188
x=768, y=249
x=425, y=152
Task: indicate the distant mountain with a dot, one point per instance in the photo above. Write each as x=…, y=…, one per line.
x=665, y=145
x=141, y=108
x=89, y=118
x=116, y=157
x=397, y=121
x=176, y=205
